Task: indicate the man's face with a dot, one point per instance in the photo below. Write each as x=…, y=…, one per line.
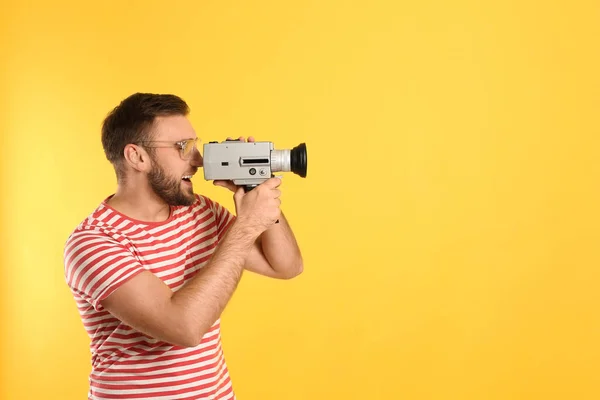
x=169, y=176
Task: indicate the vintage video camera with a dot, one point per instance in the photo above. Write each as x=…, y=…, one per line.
x=251, y=163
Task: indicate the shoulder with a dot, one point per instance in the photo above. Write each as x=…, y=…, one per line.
x=218, y=213
x=98, y=223
x=205, y=202
x=94, y=233
x=202, y=200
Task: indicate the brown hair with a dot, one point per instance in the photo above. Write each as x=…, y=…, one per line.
x=131, y=122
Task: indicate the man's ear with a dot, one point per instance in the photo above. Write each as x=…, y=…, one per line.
x=137, y=158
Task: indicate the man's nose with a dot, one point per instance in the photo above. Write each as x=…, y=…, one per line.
x=197, y=160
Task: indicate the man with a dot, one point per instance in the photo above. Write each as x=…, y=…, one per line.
x=153, y=267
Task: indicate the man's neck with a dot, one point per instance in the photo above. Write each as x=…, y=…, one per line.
x=139, y=203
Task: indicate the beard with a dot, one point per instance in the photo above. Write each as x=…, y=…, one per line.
x=169, y=188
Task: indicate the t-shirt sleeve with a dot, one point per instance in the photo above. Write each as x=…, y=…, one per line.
x=96, y=265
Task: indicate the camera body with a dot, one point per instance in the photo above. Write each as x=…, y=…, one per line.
x=249, y=164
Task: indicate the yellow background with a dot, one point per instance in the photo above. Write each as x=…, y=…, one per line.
x=449, y=220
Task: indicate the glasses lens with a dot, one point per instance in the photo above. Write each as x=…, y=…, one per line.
x=188, y=148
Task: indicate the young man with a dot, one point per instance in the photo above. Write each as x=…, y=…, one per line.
x=153, y=267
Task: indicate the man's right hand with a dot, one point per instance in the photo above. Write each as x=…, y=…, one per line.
x=259, y=208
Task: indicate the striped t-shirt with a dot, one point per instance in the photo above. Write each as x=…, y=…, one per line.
x=106, y=250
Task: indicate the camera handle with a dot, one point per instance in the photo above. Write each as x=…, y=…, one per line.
x=248, y=188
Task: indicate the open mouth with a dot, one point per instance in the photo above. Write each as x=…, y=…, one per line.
x=187, y=178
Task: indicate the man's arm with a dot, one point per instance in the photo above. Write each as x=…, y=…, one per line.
x=148, y=305
x=276, y=253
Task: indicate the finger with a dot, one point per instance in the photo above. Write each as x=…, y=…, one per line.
x=251, y=138
x=241, y=139
x=220, y=183
x=226, y=184
x=274, y=182
x=238, y=193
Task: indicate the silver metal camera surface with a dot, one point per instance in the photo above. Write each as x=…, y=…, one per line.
x=251, y=163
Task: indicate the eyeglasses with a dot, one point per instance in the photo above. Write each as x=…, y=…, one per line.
x=186, y=147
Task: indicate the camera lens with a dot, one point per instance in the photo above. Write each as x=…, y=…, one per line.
x=299, y=160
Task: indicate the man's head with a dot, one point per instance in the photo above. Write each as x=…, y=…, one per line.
x=148, y=137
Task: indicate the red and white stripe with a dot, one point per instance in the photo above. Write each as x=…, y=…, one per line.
x=106, y=250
